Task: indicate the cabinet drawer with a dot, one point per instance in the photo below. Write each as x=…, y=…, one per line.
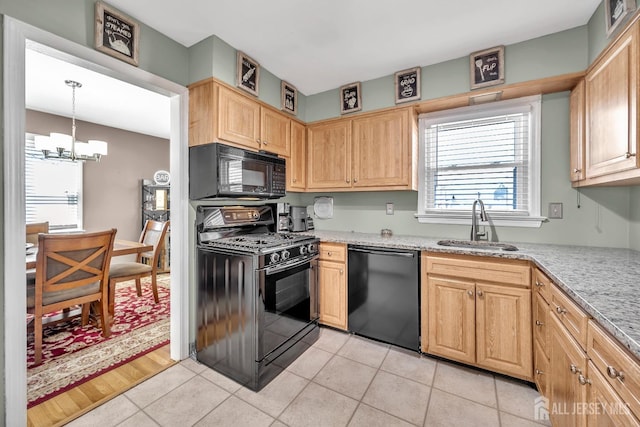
x=571, y=316
x=336, y=252
x=620, y=369
x=509, y=272
x=541, y=284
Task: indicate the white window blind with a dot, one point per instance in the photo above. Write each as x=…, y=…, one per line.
x=488, y=152
x=53, y=190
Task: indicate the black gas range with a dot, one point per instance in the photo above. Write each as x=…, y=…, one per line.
x=257, y=296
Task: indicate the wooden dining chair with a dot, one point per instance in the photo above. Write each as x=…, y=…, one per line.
x=71, y=269
x=153, y=233
x=35, y=228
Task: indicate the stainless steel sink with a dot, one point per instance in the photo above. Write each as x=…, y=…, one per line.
x=477, y=245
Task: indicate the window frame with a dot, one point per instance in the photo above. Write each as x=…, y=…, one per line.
x=533, y=217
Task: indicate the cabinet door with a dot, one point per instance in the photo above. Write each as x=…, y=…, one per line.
x=541, y=322
x=611, y=109
x=238, y=119
x=329, y=164
x=451, y=318
x=201, y=116
x=568, y=362
x=606, y=408
x=503, y=330
x=333, y=294
x=297, y=164
x=577, y=141
x=540, y=369
x=275, y=132
x=382, y=150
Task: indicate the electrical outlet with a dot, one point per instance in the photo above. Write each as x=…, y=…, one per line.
x=389, y=208
x=555, y=211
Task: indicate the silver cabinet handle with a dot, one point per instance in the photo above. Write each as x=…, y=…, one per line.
x=341, y=271
x=329, y=253
x=355, y=179
x=574, y=369
x=294, y=180
x=583, y=380
x=561, y=310
x=628, y=154
x=348, y=181
x=480, y=293
x=614, y=373
x=470, y=293
x=539, y=372
x=258, y=140
x=577, y=170
x=265, y=142
x=539, y=323
x=539, y=284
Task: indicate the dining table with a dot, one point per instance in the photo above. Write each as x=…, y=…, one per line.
x=120, y=247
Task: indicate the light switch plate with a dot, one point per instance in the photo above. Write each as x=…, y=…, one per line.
x=555, y=211
x=389, y=208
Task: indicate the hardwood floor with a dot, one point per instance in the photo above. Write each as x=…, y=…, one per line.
x=67, y=406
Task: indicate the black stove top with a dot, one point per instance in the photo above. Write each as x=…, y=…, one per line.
x=258, y=242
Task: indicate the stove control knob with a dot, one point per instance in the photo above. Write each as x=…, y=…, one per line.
x=303, y=250
x=275, y=257
x=312, y=248
x=285, y=255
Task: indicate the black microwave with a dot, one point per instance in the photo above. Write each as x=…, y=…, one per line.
x=219, y=170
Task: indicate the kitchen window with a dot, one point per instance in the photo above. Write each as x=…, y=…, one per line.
x=53, y=190
x=489, y=152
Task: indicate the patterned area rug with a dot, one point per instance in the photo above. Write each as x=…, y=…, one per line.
x=73, y=354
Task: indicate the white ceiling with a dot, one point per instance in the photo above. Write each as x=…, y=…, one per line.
x=101, y=99
x=314, y=45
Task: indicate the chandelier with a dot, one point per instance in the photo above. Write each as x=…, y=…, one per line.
x=66, y=147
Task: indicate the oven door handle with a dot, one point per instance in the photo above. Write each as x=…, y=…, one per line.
x=286, y=266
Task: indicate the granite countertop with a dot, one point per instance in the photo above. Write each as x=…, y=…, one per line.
x=602, y=281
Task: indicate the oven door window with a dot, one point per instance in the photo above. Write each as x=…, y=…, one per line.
x=288, y=304
x=243, y=175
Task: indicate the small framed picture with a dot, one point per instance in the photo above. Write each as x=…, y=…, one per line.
x=350, y=100
x=615, y=11
x=248, y=77
x=116, y=34
x=408, y=85
x=487, y=67
x=289, y=96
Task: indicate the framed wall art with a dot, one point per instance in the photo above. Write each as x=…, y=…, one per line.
x=289, y=96
x=407, y=85
x=487, y=67
x=350, y=98
x=615, y=12
x=248, y=74
x=116, y=34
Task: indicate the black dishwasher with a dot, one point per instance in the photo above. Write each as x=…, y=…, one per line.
x=384, y=295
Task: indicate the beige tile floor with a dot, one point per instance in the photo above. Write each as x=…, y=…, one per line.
x=343, y=380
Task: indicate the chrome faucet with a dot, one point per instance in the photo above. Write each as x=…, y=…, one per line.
x=475, y=234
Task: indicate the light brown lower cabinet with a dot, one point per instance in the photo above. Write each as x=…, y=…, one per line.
x=605, y=407
x=568, y=379
x=476, y=321
x=332, y=289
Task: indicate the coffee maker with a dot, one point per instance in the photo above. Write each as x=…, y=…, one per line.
x=292, y=218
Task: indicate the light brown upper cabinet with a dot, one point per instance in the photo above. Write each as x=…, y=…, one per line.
x=329, y=155
x=376, y=151
x=219, y=113
x=611, y=109
x=297, y=162
x=577, y=161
